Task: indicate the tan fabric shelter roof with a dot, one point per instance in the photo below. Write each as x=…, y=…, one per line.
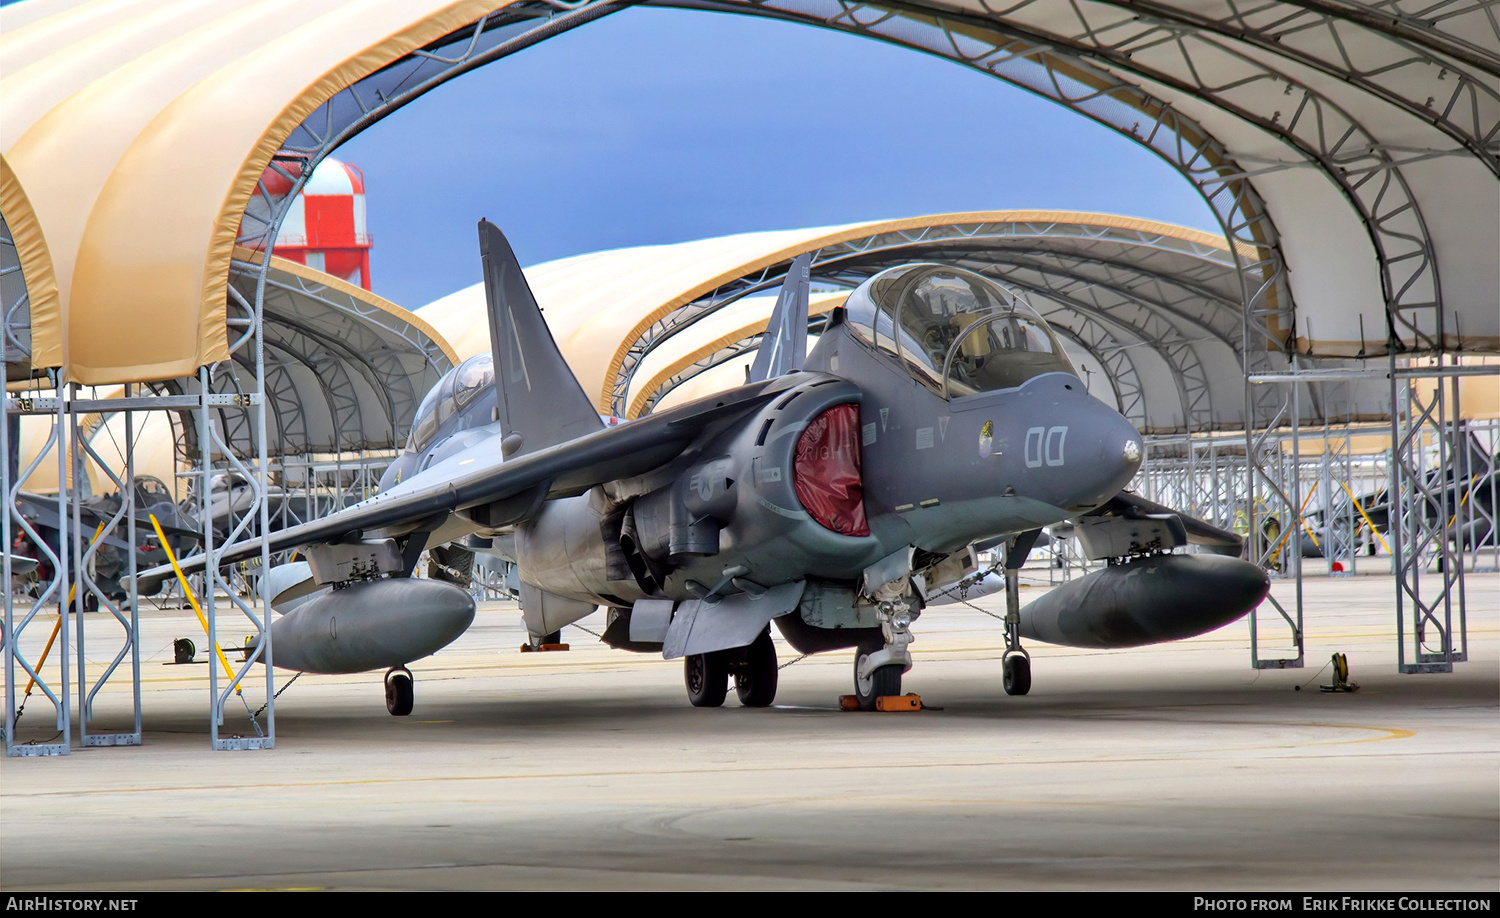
x=133, y=135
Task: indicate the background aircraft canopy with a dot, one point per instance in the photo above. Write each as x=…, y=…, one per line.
x=453, y=393
x=955, y=331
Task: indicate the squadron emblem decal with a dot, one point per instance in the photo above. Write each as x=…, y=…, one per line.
x=986, y=439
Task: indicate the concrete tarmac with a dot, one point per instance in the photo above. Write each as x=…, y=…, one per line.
x=1176, y=767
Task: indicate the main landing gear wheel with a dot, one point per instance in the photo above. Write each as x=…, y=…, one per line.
x=1017, y=668
x=883, y=681
x=400, y=693
x=707, y=678
x=755, y=679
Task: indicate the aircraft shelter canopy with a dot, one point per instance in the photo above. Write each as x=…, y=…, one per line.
x=1350, y=151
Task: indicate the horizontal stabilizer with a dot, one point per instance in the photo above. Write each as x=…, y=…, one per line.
x=20, y=564
x=540, y=401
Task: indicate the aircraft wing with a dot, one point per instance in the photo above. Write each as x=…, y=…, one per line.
x=477, y=481
x=1198, y=532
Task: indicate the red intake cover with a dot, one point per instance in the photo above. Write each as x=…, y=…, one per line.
x=826, y=471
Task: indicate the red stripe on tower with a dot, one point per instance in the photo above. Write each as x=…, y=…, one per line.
x=325, y=226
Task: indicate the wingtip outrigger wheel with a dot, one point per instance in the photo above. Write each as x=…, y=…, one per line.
x=400, y=693
x=1017, y=672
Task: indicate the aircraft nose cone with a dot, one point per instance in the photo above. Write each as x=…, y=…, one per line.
x=1112, y=454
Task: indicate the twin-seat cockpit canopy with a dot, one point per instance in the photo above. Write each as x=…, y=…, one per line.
x=458, y=389
x=957, y=332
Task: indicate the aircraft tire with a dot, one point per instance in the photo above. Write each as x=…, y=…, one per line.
x=1017, y=678
x=706, y=676
x=755, y=682
x=400, y=693
x=884, y=681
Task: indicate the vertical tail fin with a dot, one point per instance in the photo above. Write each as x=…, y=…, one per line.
x=540, y=401
x=784, y=347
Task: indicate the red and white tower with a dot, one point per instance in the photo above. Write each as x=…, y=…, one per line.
x=325, y=227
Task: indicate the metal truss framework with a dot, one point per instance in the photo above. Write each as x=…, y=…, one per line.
x=345, y=114
x=53, y=576
x=1428, y=524
x=70, y=583
x=1115, y=358
x=341, y=369
x=1208, y=476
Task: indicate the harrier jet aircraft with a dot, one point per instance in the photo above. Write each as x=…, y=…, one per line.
x=937, y=410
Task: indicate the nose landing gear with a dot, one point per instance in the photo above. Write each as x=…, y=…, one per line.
x=1016, y=664
x=878, y=667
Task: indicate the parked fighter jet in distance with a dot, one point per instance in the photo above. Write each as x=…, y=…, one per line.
x=936, y=410
x=37, y=528
x=1464, y=496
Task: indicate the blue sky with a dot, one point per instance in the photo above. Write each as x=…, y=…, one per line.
x=655, y=126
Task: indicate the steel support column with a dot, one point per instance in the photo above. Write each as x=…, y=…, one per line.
x=1429, y=567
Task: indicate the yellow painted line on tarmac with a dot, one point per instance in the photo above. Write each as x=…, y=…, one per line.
x=1387, y=733
x=1390, y=733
